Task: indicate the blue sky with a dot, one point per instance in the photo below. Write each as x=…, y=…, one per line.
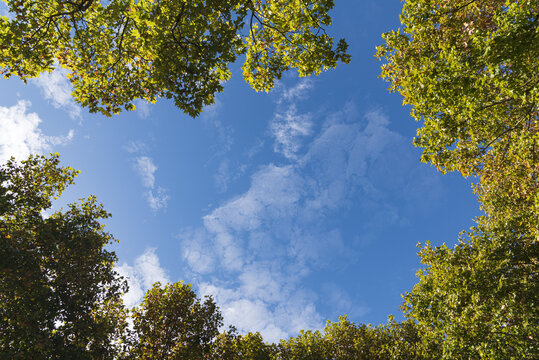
x=290, y=208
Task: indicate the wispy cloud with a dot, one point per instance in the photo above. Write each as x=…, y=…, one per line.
x=56, y=87
x=157, y=199
x=134, y=147
x=248, y=242
x=146, y=169
x=255, y=251
x=141, y=276
x=226, y=173
x=196, y=244
x=297, y=92
x=224, y=133
x=156, y=196
x=273, y=319
x=21, y=136
x=288, y=127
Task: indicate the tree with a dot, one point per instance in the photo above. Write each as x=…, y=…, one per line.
x=469, y=70
x=404, y=340
x=345, y=340
x=59, y=294
x=478, y=300
x=231, y=346
x=172, y=323
x=121, y=50
x=60, y=297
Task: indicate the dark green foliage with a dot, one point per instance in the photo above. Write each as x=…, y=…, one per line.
x=59, y=294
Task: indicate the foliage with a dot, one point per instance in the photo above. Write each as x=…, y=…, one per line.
x=121, y=50
x=171, y=323
x=479, y=299
x=59, y=294
x=231, y=346
x=470, y=71
x=509, y=189
x=345, y=340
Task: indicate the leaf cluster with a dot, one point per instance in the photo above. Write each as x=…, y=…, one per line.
x=122, y=50
x=469, y=70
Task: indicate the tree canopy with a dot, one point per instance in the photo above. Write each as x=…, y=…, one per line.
x=172, y=323
x=467, y=68
x=470, y=72
x=59, y=295
x=120, y=50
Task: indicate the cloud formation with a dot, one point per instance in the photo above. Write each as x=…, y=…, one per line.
x=21, y=136
x=255, y=251
x=289, y=127
x=146, y=169
x=156, y=196
x=297, y=92
x=56, y=87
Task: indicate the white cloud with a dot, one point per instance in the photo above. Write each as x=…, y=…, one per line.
x=146, y=169
x=21, y=136
x=255, y=250
x=149, y=268
x=222, y=176
x=156, y=197
x=157, y=200
x=141, y=276
x=56, y=87
x=195, y=250
x=273, y=191
x=274, y=320
x=288, y=129
x=253, y=239
x=134, y=147
x=136, y=292
x=297, y=92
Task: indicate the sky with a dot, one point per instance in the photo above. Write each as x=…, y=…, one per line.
x=290, y=208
